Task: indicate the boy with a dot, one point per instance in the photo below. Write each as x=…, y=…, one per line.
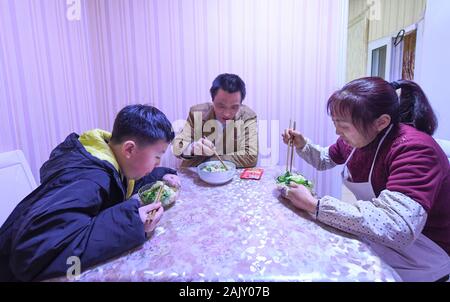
x=84, y=205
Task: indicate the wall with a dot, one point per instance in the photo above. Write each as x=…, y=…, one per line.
x=395, y=15
x=386, y=17
x=433, y=62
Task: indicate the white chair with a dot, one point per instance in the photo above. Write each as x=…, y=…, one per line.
x=169, y=160
x=445, y=145
x=16, y=181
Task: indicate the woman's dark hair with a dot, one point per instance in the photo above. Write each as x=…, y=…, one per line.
x=231, y=83
x=145, y=124
x=366, y=99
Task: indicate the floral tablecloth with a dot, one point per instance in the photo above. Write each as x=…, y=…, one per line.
x=242, y=231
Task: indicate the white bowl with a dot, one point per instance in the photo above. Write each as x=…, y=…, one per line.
x=216, y=178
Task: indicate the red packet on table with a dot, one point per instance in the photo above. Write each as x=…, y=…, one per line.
x=252, y=173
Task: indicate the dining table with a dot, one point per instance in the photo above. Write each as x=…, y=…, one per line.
x=241, y=231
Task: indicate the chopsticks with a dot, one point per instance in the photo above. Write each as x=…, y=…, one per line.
x=151, y=215
x=218, y=156
x=290, y=151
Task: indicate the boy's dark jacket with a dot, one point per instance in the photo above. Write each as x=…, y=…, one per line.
x=80, y=209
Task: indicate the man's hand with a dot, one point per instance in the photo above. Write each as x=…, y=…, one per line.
x=172, y=180
x=202, y=147
x=150, y=216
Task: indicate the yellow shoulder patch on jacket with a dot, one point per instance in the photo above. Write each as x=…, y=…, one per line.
x=96, y=143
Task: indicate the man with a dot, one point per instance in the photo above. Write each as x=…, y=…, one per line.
x=84, y=205
x=225, y=125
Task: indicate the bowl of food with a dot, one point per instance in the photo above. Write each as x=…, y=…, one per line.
x=148, y=193
x=294, y=177
x=214, y=173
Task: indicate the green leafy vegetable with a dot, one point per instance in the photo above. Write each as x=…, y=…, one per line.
x=148, y=196
x=287, y=178
x=214, y=168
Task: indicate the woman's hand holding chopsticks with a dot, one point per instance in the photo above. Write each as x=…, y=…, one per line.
x=298, y=138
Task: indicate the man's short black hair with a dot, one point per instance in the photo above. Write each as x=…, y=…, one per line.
x=230, y=83
x=146, y=124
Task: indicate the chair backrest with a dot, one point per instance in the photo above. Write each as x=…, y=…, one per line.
x=445, y=145
x=16, y=181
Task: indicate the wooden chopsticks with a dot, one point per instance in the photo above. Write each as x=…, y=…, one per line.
x=151, y=215
x=290, y=151
x=218, y=156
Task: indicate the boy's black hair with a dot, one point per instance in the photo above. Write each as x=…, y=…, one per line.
x=146, y=124
x=231, y=83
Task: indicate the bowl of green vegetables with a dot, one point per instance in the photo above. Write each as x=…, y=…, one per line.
x=293, y=177
x=149, y=192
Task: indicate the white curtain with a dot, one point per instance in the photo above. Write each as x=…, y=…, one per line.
x=59, y=75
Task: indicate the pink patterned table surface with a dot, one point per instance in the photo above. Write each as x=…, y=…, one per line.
x=242, y=231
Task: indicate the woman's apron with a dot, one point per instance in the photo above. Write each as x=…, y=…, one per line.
x=423, y=260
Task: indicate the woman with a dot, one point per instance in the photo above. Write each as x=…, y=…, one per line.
x=398, y=173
